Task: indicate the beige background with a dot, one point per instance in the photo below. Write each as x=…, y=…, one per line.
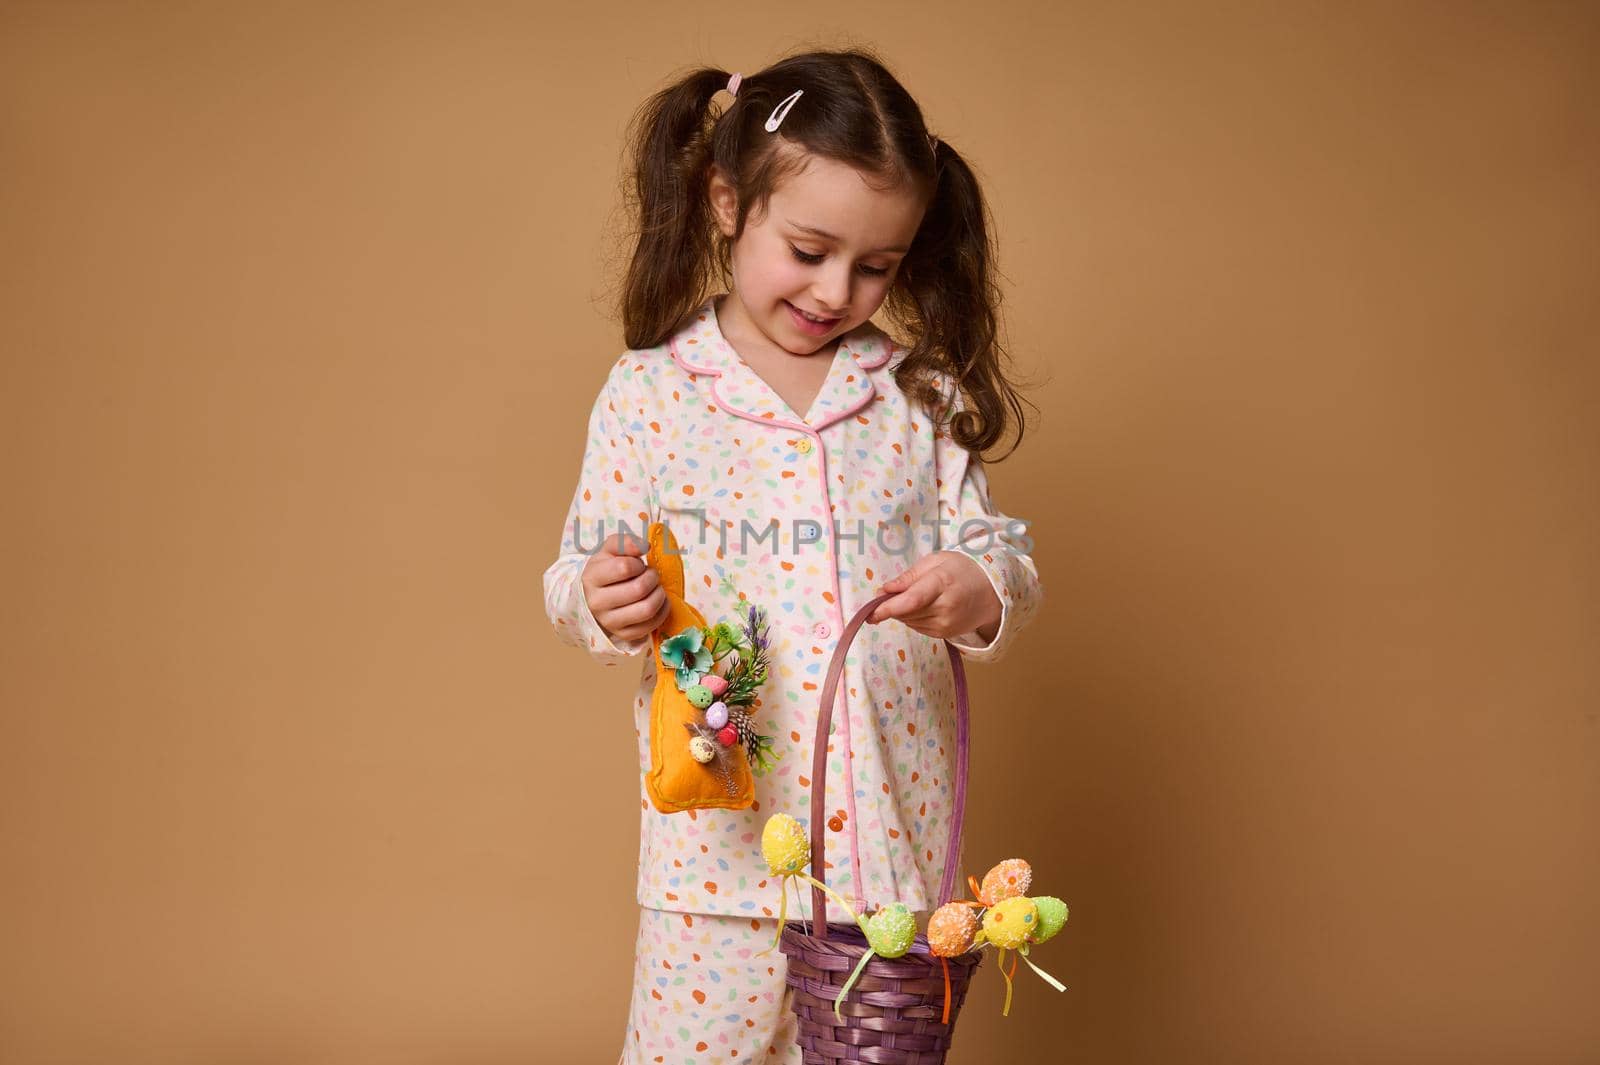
x=303, y=306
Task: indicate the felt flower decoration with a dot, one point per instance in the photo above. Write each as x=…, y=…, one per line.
x=720, y=670
x=723, y=635
x=687, y=654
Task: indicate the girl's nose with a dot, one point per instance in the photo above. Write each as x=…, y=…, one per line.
x=832, y=290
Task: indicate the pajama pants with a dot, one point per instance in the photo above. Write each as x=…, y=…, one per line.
x=702, y=996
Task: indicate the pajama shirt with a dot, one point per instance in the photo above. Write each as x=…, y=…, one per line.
x=804, y=517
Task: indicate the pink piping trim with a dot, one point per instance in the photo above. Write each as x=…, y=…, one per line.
x=838, y=599
x=838, y=604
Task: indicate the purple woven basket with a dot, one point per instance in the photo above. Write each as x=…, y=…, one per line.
x=894, y=1013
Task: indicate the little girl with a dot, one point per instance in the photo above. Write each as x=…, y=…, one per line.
x=806, y=462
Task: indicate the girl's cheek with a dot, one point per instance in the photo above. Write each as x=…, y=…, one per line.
x=876, y=290
x=794, y=274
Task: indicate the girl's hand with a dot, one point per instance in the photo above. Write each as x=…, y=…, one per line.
x=623, y=592
x=945, y=595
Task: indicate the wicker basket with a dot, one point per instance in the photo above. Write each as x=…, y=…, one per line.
x=894, y=1012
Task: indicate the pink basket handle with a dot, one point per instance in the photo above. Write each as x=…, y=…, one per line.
x=819, y=772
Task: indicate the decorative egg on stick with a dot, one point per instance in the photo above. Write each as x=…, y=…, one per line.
x=1013, y=921
x=890, y=933
x=1007, y=925
x=1007, y=880
x=952, y=931
x=788, y=852
x=1052, y=915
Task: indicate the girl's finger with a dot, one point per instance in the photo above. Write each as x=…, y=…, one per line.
x=604, y=570
x=633, y=617
x=928, y=622
x=922, y=566
x=913, y=600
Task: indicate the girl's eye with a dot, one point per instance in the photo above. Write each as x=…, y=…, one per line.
x=813, y=259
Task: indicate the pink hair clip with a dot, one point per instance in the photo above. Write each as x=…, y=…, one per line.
x=733, y=84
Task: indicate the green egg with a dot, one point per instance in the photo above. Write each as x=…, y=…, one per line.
x=891, y=930
x=1052, y=915
x=699, y=696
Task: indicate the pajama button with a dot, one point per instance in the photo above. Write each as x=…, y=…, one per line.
x=803, y=445
x=822, y=631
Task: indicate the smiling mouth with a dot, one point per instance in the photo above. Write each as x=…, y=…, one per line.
x=815, y=318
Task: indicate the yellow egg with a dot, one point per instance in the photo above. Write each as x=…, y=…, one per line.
x=1009, y=923
x=1008, y=880
x=784, y=845
x=951, y=929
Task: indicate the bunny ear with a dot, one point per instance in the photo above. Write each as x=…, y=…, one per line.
x=663, y=557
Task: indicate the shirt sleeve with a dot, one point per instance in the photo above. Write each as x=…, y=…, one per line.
x=996, y=541
x=613, y=492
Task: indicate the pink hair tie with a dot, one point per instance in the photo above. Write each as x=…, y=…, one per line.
x=733, y=84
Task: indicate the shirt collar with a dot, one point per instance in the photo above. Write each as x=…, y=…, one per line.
x=700, y=348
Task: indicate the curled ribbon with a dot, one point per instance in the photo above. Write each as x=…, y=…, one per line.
x=1046, y=977
x=783, y=907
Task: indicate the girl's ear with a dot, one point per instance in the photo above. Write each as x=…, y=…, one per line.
x=724, y=201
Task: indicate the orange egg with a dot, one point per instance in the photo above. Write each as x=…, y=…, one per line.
x=951, y=929
x=1008, y=880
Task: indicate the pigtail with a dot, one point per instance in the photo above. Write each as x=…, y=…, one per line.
x=675, y=247
x=947, y=298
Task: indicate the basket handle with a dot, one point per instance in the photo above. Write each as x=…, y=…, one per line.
x=819, y=771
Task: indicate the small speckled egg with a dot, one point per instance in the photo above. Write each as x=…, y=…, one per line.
x=699, y=696
x=1008, y=880
x=891, y=930
x=717, y=714
x=1052, y=915
x=951, y=929
x=784, y=845
x=701, y=749
x=728, y=736
x=715, y=683
x=1009, y=923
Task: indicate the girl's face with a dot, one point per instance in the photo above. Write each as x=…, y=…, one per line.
x=827, y=246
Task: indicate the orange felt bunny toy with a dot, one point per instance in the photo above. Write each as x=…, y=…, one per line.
x=680, y=736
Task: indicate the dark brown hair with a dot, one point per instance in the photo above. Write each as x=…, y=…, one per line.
x=944, y=296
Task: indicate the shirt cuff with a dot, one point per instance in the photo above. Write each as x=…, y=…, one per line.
x=601, y=645
x=575, y=623
x=970, y=644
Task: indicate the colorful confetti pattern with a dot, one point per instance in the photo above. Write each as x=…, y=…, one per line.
x=806, y=516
